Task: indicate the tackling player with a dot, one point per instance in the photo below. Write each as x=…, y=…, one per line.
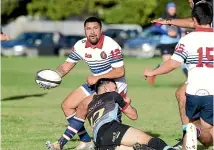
x=196, y=50
x=109, y=133
x=104, y=58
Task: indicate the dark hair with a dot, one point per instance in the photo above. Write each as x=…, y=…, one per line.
x=93, y=19
x=102, y=82
x=203, y=13
x=196, y=2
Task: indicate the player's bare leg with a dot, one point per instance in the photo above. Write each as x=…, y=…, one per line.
x=135, y=147
x=206, y=133
x=69, y=106
x=181, y=98
x=134, y=136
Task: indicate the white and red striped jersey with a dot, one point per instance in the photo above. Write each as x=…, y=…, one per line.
x=196, y=50
x=101, y=58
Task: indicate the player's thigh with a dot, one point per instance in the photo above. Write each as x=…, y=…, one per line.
x=75, y=97
x=133, y=136
x=206, y=126
x=122, y=147
x=180, y=93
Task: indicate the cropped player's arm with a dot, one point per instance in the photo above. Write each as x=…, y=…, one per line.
x=125, y=106
x=167, y=67
x=114, y=73
x=70, y=62
x=64, y=68
x=184, y=23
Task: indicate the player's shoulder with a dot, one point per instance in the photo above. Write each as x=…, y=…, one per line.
x=80, y=43
x=187, y=38
x=109, y=42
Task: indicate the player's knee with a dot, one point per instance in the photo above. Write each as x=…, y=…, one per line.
x=81, y=111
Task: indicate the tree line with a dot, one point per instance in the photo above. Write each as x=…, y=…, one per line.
x=110, y=11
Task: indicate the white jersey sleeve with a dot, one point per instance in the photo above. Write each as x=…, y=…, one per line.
x=116, y=57
x=74, y=56
x=181, y=51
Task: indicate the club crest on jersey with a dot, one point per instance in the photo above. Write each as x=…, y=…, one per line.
x=103, y=55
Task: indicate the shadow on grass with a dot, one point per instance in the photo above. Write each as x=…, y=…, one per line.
x=21, y=97
x=73, y=140
x=152, y=134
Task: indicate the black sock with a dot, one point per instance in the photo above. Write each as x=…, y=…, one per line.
x=157, y=143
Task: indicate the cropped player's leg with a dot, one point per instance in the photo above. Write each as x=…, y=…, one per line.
x=206, y=133
x=181, y=98
x=133, y=136
x=69, y=106
x=135, y=147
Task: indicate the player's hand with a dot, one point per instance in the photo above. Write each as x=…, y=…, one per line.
x=127, y=100
x=91, y=80
x=160, y=21
x=4, y=37
x=148, y=73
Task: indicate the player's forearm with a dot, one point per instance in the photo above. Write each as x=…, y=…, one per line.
x=184, y=23
x=167, y=67
x=131, y=112
x=114, y=73
x=64, y=68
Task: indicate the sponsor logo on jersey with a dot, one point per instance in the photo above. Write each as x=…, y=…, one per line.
x=88, y=55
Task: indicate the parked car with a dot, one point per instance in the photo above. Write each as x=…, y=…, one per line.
x=67, y=42
x=144, y=45
x=29, y=44
x=121, y=35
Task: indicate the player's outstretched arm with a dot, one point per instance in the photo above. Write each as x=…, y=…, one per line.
x=64, y=68
x=184, y=23
x=167, y=67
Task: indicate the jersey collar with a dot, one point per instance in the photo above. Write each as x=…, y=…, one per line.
x=198, y=29
x=98, y=45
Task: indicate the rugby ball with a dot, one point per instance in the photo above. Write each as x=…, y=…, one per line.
x=47, y=79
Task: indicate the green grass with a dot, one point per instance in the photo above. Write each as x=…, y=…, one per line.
x=31, y=115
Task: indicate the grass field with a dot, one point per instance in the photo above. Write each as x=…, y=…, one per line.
x=31, y=115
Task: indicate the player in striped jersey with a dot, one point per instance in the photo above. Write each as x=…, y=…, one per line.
x=104, y=59
x=180, y=93
x=196, y=50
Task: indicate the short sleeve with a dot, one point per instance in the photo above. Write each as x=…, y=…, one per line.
x=116, y=57
x=119, y=100
x=181, y=52
x=74, y=56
